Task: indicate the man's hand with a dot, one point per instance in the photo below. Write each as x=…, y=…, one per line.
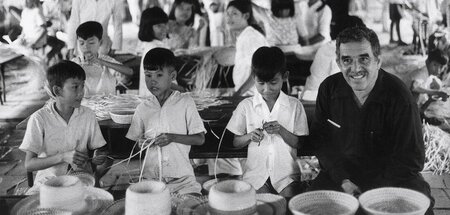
x=272, y=127
x=350, y=188
x=163, y=139
x=257, y=135
x=75, y=157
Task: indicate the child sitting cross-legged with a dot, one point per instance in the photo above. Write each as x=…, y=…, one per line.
x=63, y=132
x=170, y=121
x=99, y=68
x=271, y=124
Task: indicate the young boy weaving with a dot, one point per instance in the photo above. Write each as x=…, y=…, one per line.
x=61, y=133
x=99, y=68
x=171, y=119
x=271, y=124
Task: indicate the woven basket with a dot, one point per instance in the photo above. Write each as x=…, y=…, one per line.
x=393, y=200
x=122, y=116
x=323, y=202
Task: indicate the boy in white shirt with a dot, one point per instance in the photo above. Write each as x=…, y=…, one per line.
x=99, y=68
x=63, y=131
x=271, y=124
x=171, y=119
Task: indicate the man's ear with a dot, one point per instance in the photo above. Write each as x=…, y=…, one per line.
x=56, y=91
x=338, y=62
x=379, y=62
x=100, y=41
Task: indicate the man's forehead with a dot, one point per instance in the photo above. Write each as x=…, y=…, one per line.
x=355, y=48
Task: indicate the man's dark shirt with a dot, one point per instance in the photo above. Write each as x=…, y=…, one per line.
x=377, y=144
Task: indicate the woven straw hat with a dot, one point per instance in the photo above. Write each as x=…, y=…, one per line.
x=118, y=207
x=95, y=200
x=266, y=204
x=394, y=200
x=323, y=202
x=148, y=197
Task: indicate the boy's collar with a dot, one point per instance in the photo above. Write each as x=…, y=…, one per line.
x=282, y=99
x=51, y=105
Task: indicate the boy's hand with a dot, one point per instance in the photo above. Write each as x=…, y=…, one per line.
x=75, y=157
x=88, y=58
x=99, y=157
x=163, y=139
x=272, y=127
x=434, y=85
x=257, y=135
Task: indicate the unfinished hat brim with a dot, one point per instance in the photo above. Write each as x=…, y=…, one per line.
x=96, y=200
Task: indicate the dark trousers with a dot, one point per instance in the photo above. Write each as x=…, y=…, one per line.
x=323, y=182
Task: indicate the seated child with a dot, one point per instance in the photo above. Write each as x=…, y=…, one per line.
x=61, y=134
x=271, y=124
x=425, y=82
x=171, y=119
x=99, y=68
x=34, y=32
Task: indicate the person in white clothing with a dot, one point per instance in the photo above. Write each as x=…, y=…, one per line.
x=34, y=32
x=317, y=20
x=100, y=69
x=250, y=37
x=170, y=121
x=61, y=134
x=272, y=125
x=100, y=11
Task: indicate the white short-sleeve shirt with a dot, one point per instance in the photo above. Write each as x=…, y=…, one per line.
x=49, y=134
x=178, y=115
x=317, y=22
x=246, y=44
x=100, y=79
x=324, y=65
x=272, y=157
x=32, y=21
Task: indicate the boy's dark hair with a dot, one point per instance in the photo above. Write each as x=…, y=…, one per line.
x=176, y=3
x=279, y=5
x=149, y=18
x=267, y=62
x=358, y=34
x=90, y=29
x=63, y=70
x=438, y=56
x=159, y=58
x=245, y=6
